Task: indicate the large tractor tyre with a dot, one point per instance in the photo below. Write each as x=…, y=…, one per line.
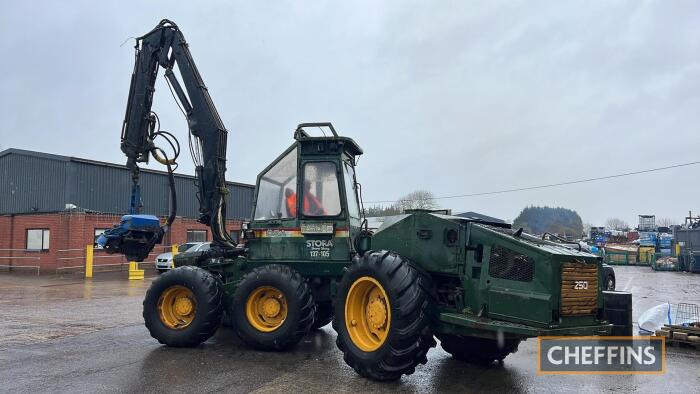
x=477, y=350
x=183, y=307
x=272, y=308
x=384, y=312
x=323, y=316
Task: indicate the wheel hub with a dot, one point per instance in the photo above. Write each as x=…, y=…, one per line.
x=376, y=313
x=183, y=306
x=271, y=307
x=266, y=308
x=177, y=307
x=367, y=314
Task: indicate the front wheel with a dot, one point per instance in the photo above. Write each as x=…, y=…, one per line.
x=383, y=316
x=183, y=307
x=272, y=308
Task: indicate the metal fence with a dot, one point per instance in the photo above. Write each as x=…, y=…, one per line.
x=9, y=262
x=74, y=260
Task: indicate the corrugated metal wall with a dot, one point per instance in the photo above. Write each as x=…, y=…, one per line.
x=36, y=182
x=31, y=184
x=689, y=237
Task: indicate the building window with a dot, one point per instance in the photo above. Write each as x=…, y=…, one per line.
x=196, y=235
x=38, y=239
x=235, y=235
x=98, y=232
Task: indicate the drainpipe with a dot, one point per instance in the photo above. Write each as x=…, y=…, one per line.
x=12, y=240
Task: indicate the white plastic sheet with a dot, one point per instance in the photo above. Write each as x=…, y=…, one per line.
x=654, y=318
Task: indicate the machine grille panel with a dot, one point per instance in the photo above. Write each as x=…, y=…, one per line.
x=579, y=289
x=507, y=264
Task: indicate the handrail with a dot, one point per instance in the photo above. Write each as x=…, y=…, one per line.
x=38, y=268
x=562, y=240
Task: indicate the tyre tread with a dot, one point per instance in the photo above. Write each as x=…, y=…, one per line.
x=413, y=323
x=204, y=280
x=307, y=309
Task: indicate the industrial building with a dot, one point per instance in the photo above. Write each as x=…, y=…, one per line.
x=52, y=207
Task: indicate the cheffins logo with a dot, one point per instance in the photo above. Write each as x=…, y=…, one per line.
x=601, y=355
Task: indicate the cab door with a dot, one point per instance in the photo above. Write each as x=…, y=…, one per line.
x=323, y=222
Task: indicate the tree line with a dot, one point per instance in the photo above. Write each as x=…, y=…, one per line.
x=419, y=199
x=533, y=219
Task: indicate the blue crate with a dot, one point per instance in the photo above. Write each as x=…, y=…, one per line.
x=647, y=238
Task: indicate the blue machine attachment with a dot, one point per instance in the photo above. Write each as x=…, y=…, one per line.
x=134, y=237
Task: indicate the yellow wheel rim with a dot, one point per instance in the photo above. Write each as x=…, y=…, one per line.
x=177, y=307
x=367, y=314
x=266, y=308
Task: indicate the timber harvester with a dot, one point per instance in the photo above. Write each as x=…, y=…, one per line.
x=479, y=287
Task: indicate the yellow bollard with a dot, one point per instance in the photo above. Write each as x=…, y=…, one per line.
x=173, y=251
x=134, y=272
x=89, y=250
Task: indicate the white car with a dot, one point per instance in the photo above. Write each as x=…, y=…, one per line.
x=164, y=261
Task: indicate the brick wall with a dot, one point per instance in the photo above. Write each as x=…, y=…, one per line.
x=5, y=230
x=14, y=239
x=70, y=232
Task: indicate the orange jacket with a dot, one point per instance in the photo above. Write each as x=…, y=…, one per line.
x=312, y=206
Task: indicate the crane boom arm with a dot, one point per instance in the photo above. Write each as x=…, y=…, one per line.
x=165, y=47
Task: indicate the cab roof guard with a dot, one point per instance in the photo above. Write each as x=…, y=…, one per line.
x=300, y=133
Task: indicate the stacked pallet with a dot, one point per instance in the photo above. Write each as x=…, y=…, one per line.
x=681, y=335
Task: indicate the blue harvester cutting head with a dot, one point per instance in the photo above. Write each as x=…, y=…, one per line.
x=134, y=237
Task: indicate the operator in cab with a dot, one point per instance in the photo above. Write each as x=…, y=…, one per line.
x=312, y=206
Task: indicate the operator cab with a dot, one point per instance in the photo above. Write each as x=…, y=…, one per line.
x=308, y=197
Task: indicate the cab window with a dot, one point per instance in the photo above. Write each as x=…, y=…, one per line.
x=277, y=185
x=321, y=190
x=350, y=192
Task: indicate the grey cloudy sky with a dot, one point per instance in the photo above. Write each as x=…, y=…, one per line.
x=451, y=96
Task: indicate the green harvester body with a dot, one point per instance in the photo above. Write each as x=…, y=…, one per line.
x=490, y=280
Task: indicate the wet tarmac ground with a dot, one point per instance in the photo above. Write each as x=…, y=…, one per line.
x=69, y=335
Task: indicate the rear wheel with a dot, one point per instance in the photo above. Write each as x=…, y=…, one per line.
x=272, y=308
x=183, y=307
x=477, y=350
x=323, y=316
x=383, y=316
